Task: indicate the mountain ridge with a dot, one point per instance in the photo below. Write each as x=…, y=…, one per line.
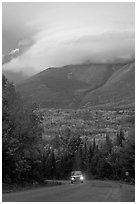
x=73, y=86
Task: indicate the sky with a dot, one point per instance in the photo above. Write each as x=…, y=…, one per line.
x=41, y=35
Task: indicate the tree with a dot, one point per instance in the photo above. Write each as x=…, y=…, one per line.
x=74, y=143
x=77, y=161
x=108, y=143
x=127, y=155
x=51, y=165
x=21, y=132
x=84, y=157
x=90, y=156
x=120, y=138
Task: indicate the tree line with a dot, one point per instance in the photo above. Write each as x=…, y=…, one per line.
x=26, y=157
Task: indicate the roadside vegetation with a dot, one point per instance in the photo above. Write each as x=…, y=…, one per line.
x=36, y=149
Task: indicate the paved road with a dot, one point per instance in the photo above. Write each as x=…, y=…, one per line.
x=90, y=191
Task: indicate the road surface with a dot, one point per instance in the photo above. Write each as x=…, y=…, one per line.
x=90, y=191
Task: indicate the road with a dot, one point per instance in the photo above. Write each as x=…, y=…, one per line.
x=90, y=191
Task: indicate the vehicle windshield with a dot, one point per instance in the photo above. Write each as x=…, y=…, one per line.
x=76, y=173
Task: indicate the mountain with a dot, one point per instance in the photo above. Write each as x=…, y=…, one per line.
x=118, y=89
x=84, y=85
x=15, y=77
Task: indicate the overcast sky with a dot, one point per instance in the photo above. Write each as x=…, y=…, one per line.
x=56, y=34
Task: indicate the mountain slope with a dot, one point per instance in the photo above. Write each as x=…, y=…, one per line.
x=15, y=77
x=119, y=88
x=75, y=86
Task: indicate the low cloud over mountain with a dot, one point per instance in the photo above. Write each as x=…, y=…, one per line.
x=71, y=33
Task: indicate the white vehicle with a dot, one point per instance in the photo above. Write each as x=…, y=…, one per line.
x=77, y=176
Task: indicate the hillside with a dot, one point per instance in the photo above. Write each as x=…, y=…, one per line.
x=118, y=89
x=15, y=77
x=76, y=86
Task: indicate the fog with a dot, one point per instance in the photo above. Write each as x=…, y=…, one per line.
x=59, y=34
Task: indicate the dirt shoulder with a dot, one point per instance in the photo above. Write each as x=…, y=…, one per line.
x=120, y=191
x=10, y=188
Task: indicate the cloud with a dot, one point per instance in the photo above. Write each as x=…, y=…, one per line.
x=69, y=47
x=71, y=33
x=24, y=42
x=14, y=51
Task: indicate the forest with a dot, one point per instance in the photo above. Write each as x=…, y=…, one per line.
x=28, y=157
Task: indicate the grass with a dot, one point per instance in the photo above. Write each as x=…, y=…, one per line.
x=87, y=122
x=10, y=188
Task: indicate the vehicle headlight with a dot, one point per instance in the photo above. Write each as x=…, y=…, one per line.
x=81, y=178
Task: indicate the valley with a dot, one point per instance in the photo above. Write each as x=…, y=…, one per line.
x=87, y=123
x=92, y=100
x=68, y=102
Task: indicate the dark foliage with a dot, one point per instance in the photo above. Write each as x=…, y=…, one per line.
x=26, y=157
x=21, y=134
